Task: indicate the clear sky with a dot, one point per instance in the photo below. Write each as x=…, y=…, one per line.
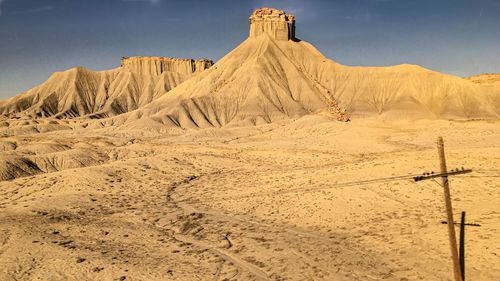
x=38, y=37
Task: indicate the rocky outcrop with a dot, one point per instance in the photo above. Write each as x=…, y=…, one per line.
x=486, y=78
x=158, y=65
x=276, y=23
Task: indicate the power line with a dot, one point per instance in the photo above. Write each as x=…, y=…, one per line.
x=495, y=176
x=409, y=177
x=336, y=185
x=487, y=170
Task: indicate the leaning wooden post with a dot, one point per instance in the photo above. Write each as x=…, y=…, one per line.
x=462, y=246
x=449, y=211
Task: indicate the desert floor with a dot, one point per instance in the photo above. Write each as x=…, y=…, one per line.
x=286, y=201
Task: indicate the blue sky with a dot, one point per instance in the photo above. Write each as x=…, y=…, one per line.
x=38, y=37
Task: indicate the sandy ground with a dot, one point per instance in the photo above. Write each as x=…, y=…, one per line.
x=273, y=202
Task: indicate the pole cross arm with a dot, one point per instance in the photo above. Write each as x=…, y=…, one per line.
x=427, y=176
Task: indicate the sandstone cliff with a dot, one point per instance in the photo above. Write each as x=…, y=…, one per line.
x=275, y=23
x=158, y=65
x=83, y=92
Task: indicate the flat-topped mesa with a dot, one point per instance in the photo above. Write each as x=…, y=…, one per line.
x=276, y=23
x=158, y=65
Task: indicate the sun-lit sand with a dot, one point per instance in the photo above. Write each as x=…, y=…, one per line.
x=161, y=207
x=171, y=169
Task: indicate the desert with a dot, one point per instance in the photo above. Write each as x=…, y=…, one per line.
x=272, y=163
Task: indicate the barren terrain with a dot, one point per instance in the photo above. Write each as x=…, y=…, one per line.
x=290, y=200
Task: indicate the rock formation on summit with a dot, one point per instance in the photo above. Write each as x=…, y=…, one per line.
x=275, y=23
x=82, y=92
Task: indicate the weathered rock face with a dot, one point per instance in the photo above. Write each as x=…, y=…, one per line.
x=158, y=65
x=486, y=79
x=276, y=23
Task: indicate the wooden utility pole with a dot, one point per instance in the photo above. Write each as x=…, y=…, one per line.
x=449, y=211
x=462, y=246
x=462, y=242
x=447, y=200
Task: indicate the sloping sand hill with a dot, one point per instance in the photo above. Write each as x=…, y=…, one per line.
x=96, y=94
x=270, y=77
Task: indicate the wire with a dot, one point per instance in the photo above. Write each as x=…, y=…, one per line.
x=495, y=176
x=487, y=170
x=336, y=185
x=344, y=184
x=434, y=180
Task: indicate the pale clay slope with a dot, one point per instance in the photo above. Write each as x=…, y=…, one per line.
x=83, y=92
x=263, y=80
x=258, y=203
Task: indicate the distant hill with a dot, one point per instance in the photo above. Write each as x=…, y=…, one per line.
x=82, y=92
x=272, y=75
